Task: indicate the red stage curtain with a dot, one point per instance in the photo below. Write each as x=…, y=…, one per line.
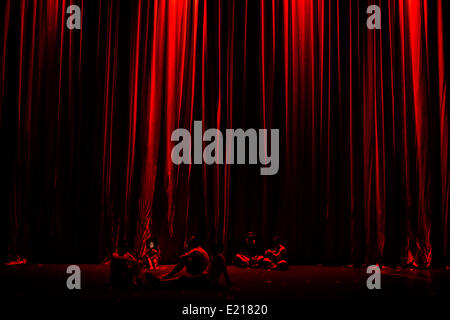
x=86, y=117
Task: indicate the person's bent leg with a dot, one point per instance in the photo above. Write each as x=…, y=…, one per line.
x=256, y=261
x=241, y=261
x=266, y=263
x=282, y=265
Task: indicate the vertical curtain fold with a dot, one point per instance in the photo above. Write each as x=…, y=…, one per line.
x=86, y=118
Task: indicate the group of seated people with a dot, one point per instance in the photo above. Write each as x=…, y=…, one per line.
x=249, y=257
x=195, y=268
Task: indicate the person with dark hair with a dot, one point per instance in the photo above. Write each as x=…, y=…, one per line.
x=208, y=279
x=152, y=253
x=276, y=256
x=124, y=266
x=248, y=255
x=195, y=260
x=217, y=266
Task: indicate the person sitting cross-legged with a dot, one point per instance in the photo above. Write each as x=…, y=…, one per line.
x=276, y=256
x=152, y=254
x=248, y=255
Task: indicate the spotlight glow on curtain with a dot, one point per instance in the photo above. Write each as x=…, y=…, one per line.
x=86, y=118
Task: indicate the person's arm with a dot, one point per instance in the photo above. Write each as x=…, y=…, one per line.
x=269, y=254
x=180, y=265
x=184, y=256
x=281, y=252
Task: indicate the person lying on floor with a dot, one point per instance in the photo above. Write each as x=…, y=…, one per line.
x=124, y=266
x=207, y=279
x=248, y=256
x=276, y=256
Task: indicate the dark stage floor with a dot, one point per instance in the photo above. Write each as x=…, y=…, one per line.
x=323, y=290
x=299, y=282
